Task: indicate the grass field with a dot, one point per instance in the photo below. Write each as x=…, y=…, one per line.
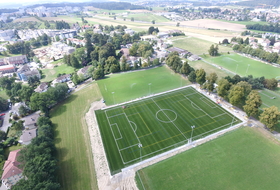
x=151, y=126
x=131, y=85
x=270, y=98
x=195, y=45
x=245, y=66
x=147, y=17
x=3, y=94
x=75, y=162
x=51, y=74
x=209, y=68
x=243, y=159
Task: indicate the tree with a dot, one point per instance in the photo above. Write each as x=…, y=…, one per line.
x=4, y=104
x=192, y=77
x=153, y=21
x=200, y=76
x=132, y=19
x=270, y=116
x=271, y=83
x=213, y=51
x=74, y=62
x=178, y=24
x=23, y=110
x=2, y=135
x=174, y=61
x=236, y=95
x=18, y=126
x=225, y=41
x=186, y=68
x=210, y=81
x=246, y=86
x=98, y=73
x=253, y=103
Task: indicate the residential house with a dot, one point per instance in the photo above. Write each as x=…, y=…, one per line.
x=125, y=52
x=265, y=43
x=61, y=79
x=16, y=60
x=180, y=51
x=194, y=58
x=27, y=136
x=97, y=31
x=25, y=72
x=2, y=61
x=43, y=87
x=12, y=173
x=30, y=121
x=129, y=31
x=84, y=71
x=162, y=35
x=7, y=69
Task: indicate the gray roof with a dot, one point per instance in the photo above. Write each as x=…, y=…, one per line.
x=31, y=119
x=23, y=69
x=28, y=135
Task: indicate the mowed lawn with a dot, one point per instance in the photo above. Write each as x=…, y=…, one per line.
x=243, y=159
x=245, y=66
x=270, y=98
x=127, y=86
x=196, y=45
x=147, y=17
x=75, y=162
x=209, y=68
x=51, y=74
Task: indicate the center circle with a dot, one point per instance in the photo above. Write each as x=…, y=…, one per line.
x=166, y=115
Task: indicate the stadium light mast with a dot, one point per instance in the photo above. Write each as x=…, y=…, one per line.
x=192, y=132
x=149, y=88
x=113, y=96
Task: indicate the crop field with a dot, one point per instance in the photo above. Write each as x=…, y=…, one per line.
x=247, y=158
x=245, y=66
x=269, y=98
x=128, y=86
x=147, y=127
x=195, y=45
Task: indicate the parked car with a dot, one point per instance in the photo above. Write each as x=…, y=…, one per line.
x=2, y=114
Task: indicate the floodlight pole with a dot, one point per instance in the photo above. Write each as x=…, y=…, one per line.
x=113, y=96
x=247, y=68
x=192, y=132
x=149, y=88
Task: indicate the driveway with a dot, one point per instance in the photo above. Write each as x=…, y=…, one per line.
x=6, y=123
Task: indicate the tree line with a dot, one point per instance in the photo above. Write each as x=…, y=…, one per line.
x=38, y=160
x=264, y=27
x=243, y=47
x=100, y=5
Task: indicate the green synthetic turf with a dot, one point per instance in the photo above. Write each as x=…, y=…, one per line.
x=158, y=123
x=243, y=159
x=245, y=66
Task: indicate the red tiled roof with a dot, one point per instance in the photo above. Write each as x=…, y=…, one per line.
x=10, y=167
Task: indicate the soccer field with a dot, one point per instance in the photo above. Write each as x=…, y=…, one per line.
x=245, y=66
x=144, y=128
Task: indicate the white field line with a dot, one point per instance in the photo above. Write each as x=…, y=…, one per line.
x=114, y=136
x=115, y=124
x=207, y=102
x=169, y=118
